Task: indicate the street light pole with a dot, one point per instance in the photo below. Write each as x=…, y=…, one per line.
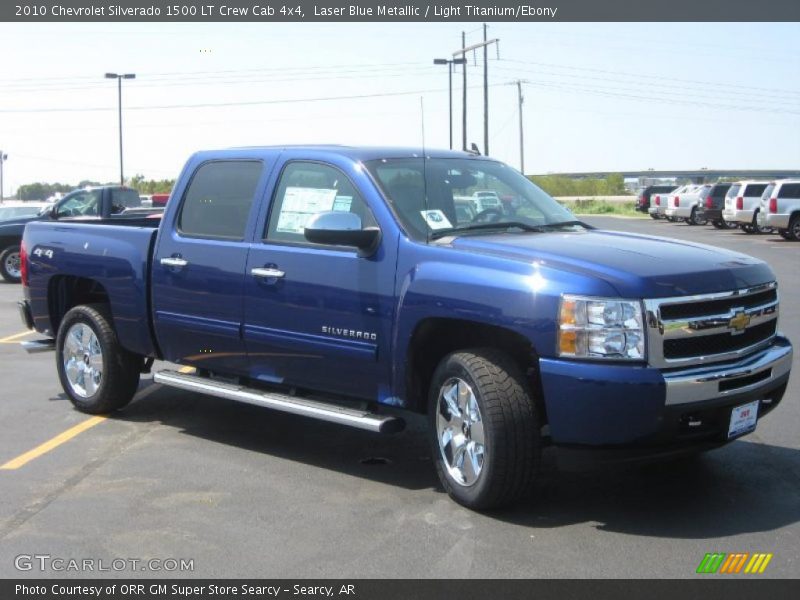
x=450, y=63
x=3, y=158
x=119, y=78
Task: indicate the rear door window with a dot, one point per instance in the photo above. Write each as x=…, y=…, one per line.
x=755, y=189
x=789, y=190
x=217, y=203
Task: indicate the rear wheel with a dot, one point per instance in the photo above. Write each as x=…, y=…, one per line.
x=747, y=228
x=96, y=372
x=756, y=228
x=654, y=216
x=484, y=429
x=784, y=233
x=794, y=229
x=719, y=224
x=696, y=219
x=10, y=265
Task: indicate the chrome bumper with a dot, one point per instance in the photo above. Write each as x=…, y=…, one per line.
x=704, y=383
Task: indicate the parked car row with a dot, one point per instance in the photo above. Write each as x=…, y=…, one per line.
x=752, y=206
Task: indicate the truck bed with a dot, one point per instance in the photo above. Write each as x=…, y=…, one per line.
x=108, y=257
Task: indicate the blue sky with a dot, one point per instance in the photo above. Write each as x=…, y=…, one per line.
x=602, y=96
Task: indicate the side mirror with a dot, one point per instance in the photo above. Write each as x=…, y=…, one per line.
x=52, y=212
x=339, y=228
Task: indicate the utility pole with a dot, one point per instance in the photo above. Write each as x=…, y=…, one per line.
x=485, y=94
x=464, y=94
x=463, y=52
x=3, y=158
x=119, y=78
x=520, y=100
x=450, y=63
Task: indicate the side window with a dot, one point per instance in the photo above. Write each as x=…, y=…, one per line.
x=218, y=200
x=789, y=190
x=124, y=199
x=306, y=189
x=82, y=204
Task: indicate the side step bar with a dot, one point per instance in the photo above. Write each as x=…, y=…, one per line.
x=36, y=346
x=291, y=404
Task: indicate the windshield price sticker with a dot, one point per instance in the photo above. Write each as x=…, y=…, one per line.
x=435, y=219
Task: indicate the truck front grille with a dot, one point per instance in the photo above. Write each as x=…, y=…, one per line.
x=718, y=343
x=694, y=330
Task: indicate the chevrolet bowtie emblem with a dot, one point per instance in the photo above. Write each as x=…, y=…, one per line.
x=739, y=321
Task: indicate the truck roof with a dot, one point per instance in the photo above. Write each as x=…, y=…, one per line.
x=361, y=153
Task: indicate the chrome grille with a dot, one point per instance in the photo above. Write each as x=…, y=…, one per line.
x=693, y=330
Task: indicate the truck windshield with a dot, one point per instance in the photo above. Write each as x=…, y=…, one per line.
x=456, y=195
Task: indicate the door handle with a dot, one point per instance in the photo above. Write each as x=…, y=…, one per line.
x=174, y=261
x=266, y=272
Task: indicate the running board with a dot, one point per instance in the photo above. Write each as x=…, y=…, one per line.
x=291, y=404
x=36, y=346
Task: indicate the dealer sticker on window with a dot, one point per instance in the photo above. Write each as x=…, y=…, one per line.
x=743, y=419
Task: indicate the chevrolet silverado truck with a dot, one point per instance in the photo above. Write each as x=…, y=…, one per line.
x=84, y=203
x=342, y=284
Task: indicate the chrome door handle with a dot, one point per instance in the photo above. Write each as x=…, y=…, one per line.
x=266, y=272
x=174, y=261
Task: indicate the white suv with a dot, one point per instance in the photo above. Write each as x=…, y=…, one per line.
x=682, y=204
x=742, y=204
x=780, y=208
x=660, y=202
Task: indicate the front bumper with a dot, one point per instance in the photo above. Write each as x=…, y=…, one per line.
x=618, y=406
x=738, y=216
x=778, y=221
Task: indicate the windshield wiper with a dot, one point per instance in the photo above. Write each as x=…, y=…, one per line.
x=435, y=235
x=439, y=233
x=565, y=224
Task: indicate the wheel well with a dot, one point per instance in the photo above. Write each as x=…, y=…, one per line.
x=67, y=291
x=434, y=339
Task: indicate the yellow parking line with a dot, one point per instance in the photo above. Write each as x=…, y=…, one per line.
x=61, y=438
x=11, y=338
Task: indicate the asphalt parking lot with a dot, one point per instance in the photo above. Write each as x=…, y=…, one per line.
x=246, y=492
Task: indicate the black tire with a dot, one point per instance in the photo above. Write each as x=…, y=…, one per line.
x=729, y=224
x=695, y=220
x=654, y=216
x=119, y=376
x=754, y=227
x=793, y=232
x=9, y=264
x=719, y=224
x=784, y=233
x=747, y=228
x=510, y=424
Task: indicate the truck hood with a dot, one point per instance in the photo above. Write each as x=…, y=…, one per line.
x=637, y=266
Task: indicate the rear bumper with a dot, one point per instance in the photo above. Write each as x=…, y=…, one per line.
x=653, y=411
x=656, y=210
x=25, y=313
x=680, y=212
x=710, y=214
x=738, y=216
x=778, y=221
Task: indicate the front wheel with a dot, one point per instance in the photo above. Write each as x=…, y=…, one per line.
x=96, y=372
x=10, y=265
x=484, y=429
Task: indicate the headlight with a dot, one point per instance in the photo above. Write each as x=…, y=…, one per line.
x=601, y=328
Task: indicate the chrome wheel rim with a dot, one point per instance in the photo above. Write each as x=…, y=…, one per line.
x=459, y=431
x=83, y=360
x=12, y=265
x=796, y=230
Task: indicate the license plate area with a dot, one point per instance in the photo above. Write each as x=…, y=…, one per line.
x=744, y=419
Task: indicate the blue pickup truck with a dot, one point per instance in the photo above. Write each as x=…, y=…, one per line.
x=353, y=284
